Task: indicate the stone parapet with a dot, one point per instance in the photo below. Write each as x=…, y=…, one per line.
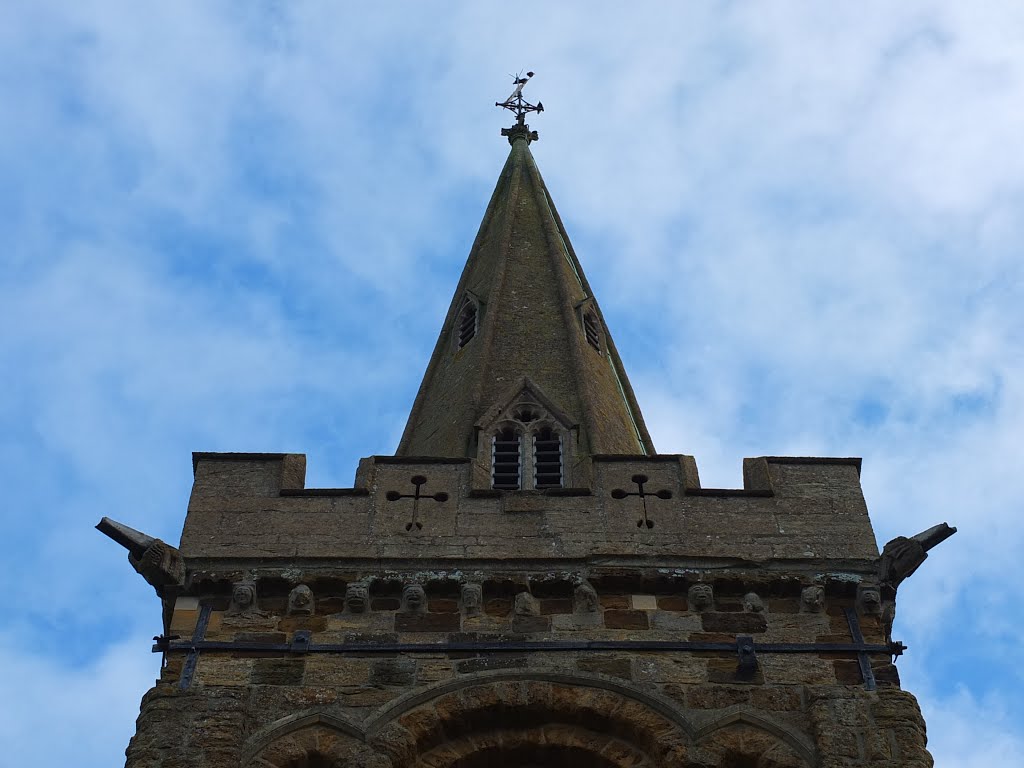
x=247, y=506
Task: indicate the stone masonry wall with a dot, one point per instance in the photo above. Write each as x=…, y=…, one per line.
x=438, y=617
x=806, y=709
x=246, y=506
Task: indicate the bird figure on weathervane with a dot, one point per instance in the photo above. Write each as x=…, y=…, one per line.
x=521, y=107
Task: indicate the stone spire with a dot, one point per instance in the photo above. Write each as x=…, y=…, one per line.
x=524, y=332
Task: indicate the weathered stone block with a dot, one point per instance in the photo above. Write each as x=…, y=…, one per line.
x=643, y=602
x=278, y=671
x=223, y=670
x=615, y=666
x=614, y=619
x=716, y=696
x=660, y=668
x=431, y=671
x=673, y=603
x=676, y=622
x=427, y=622
x=498, y=607
x=788, y=668
x=847, y=672
x=549, y=606
x=778, y=698
x=400, y=672
x=496, y=661
x=531, y=624
x=309, y=623
x=727, y=671
x=738, y=623
x=322, y=669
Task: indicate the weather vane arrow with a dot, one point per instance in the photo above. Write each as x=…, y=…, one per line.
x=521, y=107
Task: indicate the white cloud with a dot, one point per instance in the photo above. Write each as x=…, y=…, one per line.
x=793, y=215
x=87, y=706
x=969, y=731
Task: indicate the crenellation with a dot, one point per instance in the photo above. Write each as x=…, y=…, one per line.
x=792, y=524
x=251, y=473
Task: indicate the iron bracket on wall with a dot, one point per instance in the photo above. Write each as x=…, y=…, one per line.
x=866, y=673
x=189, y=670
x=745, y=647
x=747, y=657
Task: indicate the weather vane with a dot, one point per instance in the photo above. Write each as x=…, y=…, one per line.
x=521, y=107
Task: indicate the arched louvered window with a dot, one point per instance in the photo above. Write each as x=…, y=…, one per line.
x=547, y=459
x=592, y=329
x=506, y=460
x=466, y=322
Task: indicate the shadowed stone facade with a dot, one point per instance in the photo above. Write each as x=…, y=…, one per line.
x=621, y=616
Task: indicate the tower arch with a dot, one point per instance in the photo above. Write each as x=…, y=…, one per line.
x=514, y=719
x=739, y=738
x=311, y=740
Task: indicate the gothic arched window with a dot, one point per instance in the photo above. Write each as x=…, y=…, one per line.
x=466, y=322
x=547, y=458
x=531, y=445
x=506, y=460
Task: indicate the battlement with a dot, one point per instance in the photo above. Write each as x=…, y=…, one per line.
x=790, y=509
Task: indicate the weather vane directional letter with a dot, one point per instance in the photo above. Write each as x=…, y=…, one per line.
x=521, y=107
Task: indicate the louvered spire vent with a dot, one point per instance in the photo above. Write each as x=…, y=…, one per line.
x=506, y=474
x=467, y=322
x=547, y=459
x=592, y=330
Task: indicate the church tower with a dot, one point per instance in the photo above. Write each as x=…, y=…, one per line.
x=526, y=582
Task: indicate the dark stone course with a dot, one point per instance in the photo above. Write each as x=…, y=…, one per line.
x=737, y=623
x=555, y=605
x=531, y=624
x=886, y=674
x=626, y=619
x=427, y=622
x=443, y=605
x=605, y=665
x=712, y=637
x=498, y=607
x=726, y=670
x=393, y=672
x=716, y=696
x=847, y=672
x=311, y=623
x=673, y=603
x=278, y=671
x=493, y=661
x=261, y=637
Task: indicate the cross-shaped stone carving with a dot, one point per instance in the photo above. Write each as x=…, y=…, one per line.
x=644, y=520
x=418, y=481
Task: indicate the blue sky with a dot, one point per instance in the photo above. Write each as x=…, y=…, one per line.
x=237, y=226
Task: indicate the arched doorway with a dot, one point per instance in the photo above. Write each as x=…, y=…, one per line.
x=532, y=723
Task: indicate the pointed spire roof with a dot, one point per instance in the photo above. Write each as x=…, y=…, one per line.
x=531, y=317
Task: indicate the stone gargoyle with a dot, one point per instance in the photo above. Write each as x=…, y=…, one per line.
x=156, y=561
x=902, y=556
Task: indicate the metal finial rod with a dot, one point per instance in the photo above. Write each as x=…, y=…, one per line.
x=517, y=104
